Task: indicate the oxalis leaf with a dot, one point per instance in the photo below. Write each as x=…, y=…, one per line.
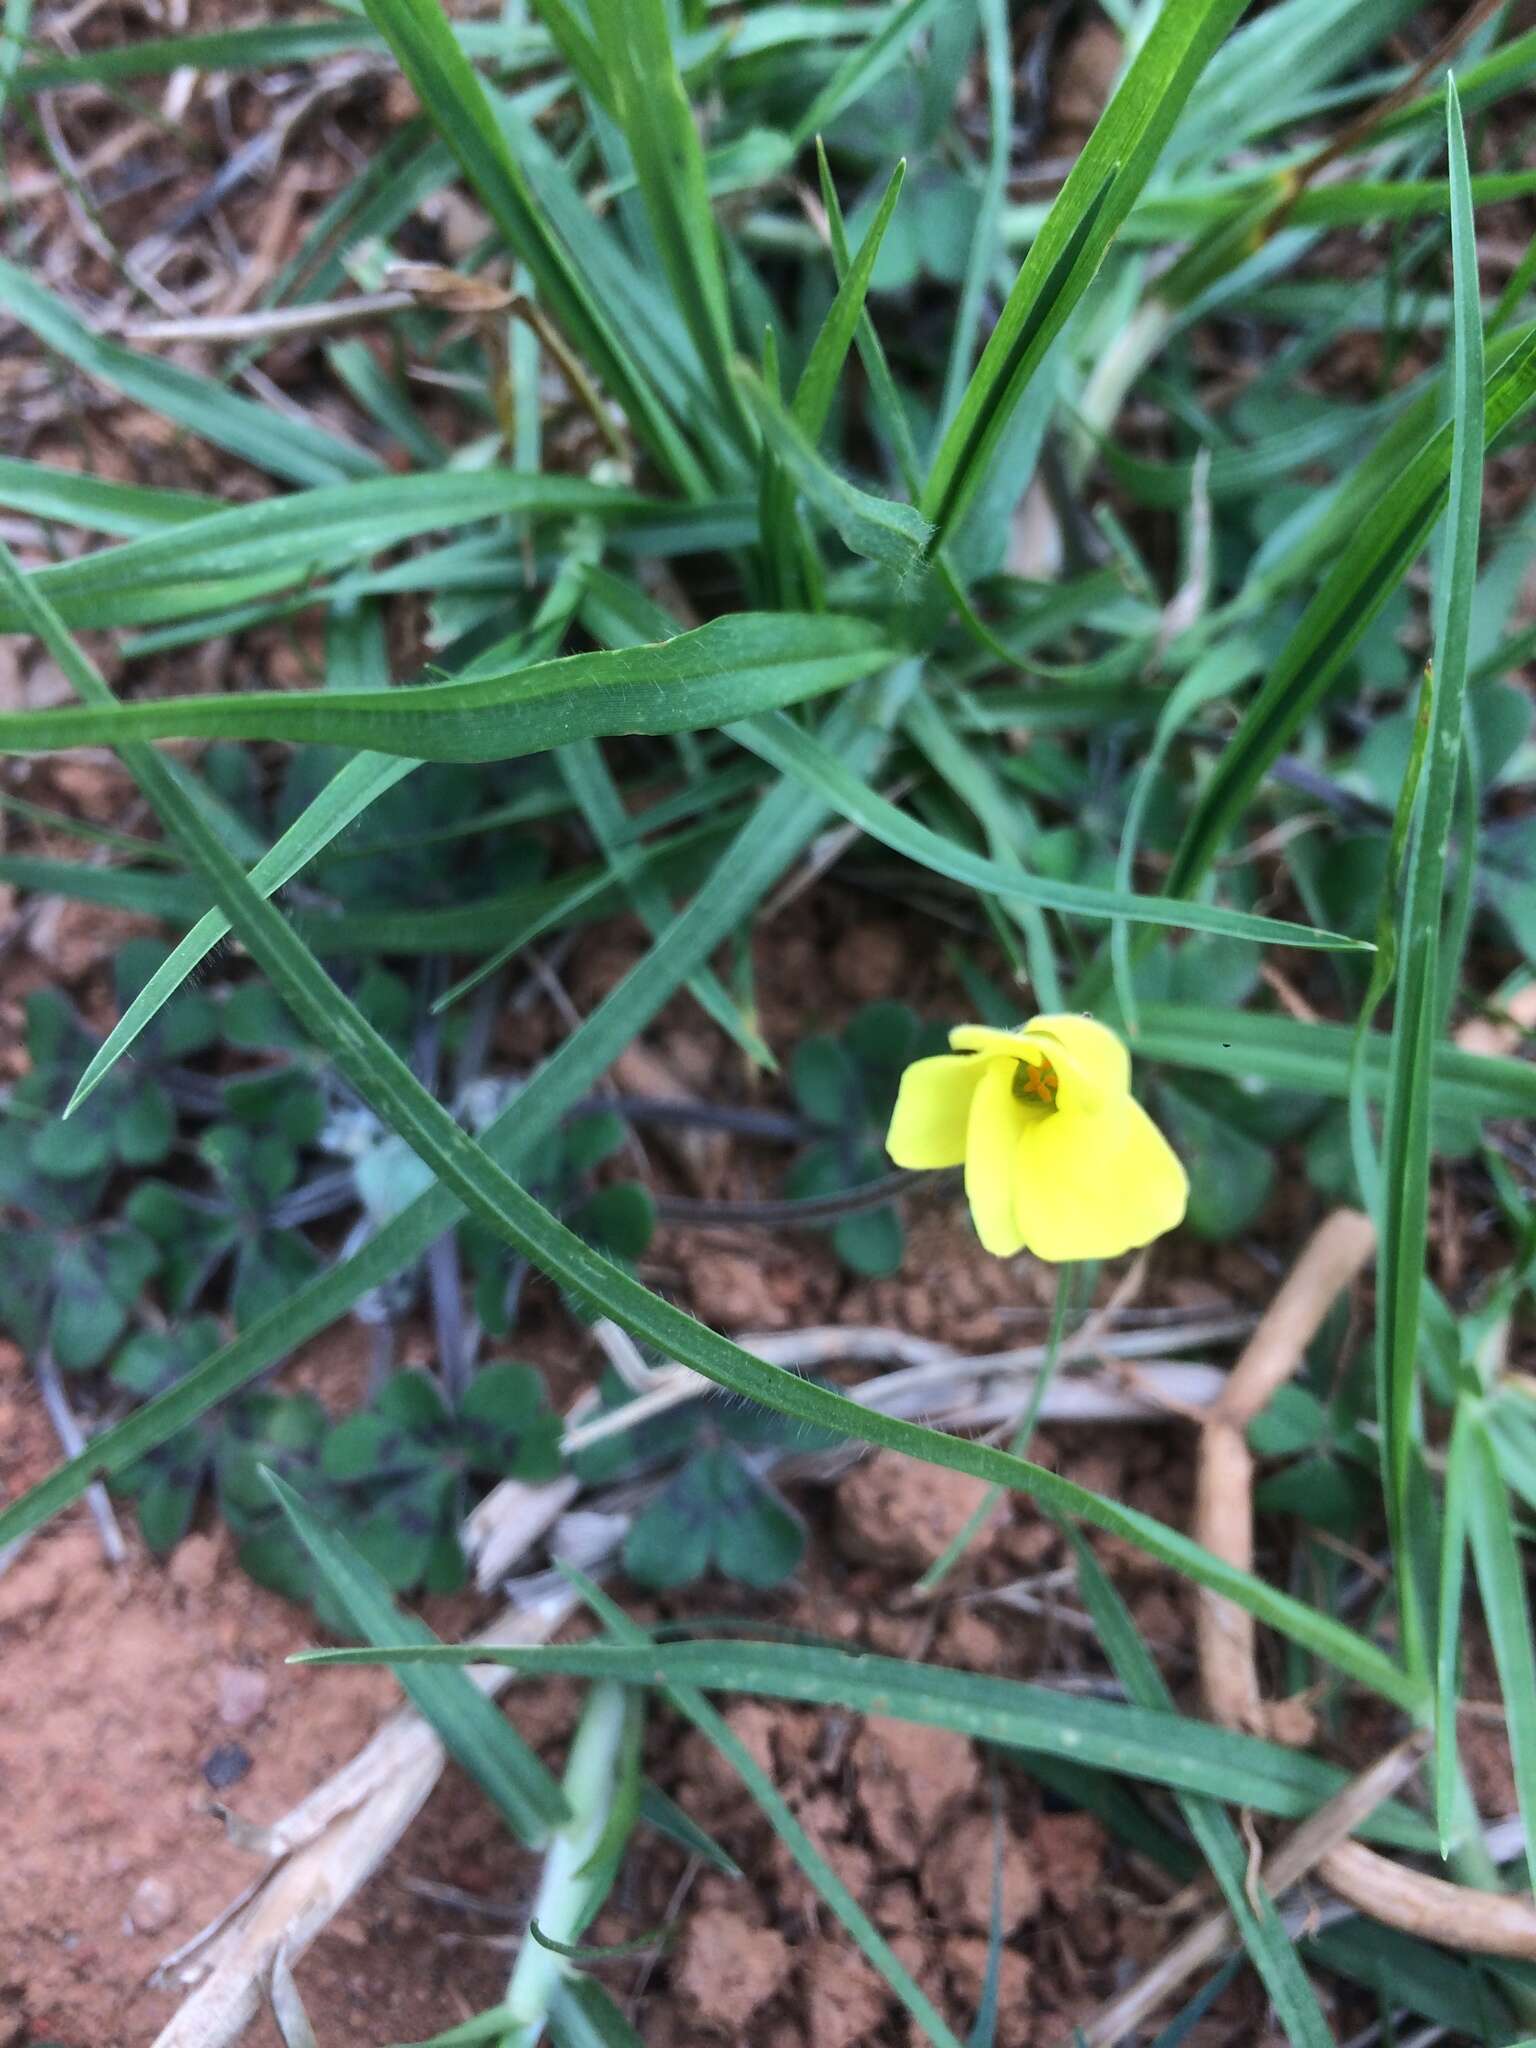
x=782, y=826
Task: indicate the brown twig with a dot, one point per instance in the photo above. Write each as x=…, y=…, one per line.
x=1305, y=1849
x=1359, y=131
x=1487, y=1923
x=329, y=1845
x=1455, y=1916
x=1224, y=1475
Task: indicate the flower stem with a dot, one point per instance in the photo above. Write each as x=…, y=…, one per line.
x=568, y=1889
x=961, y=1542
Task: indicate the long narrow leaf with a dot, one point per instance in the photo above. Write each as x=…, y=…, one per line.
x=798, y=753
x=1406, y=1160
x=1103, y=186
x=472, y=1731
x=730, y=668
x=1157, y=1746
x=293, y=449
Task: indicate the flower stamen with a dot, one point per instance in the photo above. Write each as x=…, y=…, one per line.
x=1036, y=1084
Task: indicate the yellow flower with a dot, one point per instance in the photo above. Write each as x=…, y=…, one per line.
x=1060, y=1158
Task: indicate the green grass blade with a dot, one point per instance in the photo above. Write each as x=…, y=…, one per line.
x=734, y=666
x=124, y=510
x=866, y=1937
x=877, y=528
x=1407, y=1146
x=824, y=365
x=345, y=797
x=986, y=234
x=576, y=46
x=1157, y=1746
x=253, y=49
x=473, y=1732
x=1501, y=1584
x=1373, y=563
x=1102, y=187
x=658, y=126
x=1315, y=1058
x=1263, y=1932
x=295, y=450
x=451, y=94
x=887, y=400
x=1461, y=1474
x=796, y=752
x=14, y=26
x=291, y=539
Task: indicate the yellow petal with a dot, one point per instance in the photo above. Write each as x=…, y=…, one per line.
x=1091, y=1186
x=1091, y=1061
x=934, y=1101
x=991, y=1147
x=985, y=1038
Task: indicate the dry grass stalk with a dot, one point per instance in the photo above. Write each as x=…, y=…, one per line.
x=1455, y=1916
x=1303, y=1850
x=326, y=1849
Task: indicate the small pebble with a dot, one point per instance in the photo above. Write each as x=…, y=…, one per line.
x=153, y=1906
x=242, y=1693
x=226, y=1766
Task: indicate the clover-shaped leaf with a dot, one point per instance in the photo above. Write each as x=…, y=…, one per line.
x=198, y=1232
x=824, y=1078
x=128, y=1120
x=847, y=1086
x=25, y=1286
x=870, y=1242
x=1230, y=1174
x=283, y=1434
x=284, y=1105
x=504, y=1428
x=166, y=1482
x=96, y=1281
x=714, y=1513
x=24, y=1185
x=403, y=1461
x=193, y=1237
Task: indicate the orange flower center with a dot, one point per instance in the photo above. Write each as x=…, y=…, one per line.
x=1035, y=1083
